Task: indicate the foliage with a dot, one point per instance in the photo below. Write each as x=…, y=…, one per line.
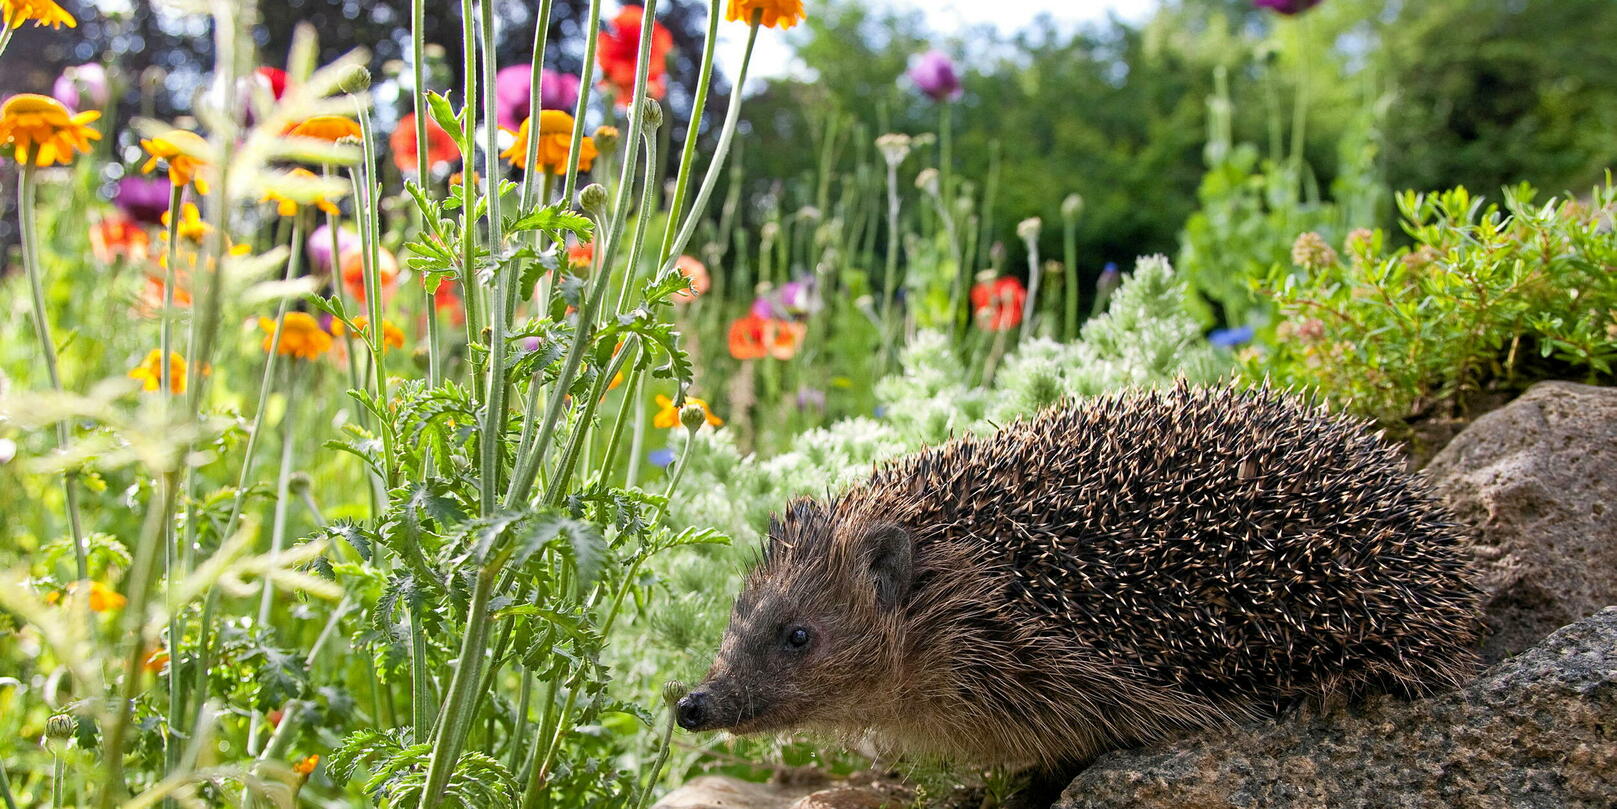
x=1489, y=297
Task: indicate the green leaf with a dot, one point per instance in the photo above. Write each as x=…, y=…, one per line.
x=444, y=114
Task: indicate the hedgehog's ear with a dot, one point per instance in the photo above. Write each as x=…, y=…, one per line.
x=892, y=563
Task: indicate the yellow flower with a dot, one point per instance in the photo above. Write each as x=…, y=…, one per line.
x=41, y=126
x=326, y=127
x=306, y=765
x=102, y=597
x=392, y=335
x=191, y=228
x=555, y=137
x=776, y=13
x=185, y=152
x=150, y=372
x=301, y=336
x=42, y=12
x=668, y=416
x=286, y=206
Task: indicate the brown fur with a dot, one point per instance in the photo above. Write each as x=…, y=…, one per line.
x=1102, y=575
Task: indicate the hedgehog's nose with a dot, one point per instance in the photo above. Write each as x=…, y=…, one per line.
x=692, y=710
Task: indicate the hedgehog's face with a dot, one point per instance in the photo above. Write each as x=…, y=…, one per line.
x=808, y=637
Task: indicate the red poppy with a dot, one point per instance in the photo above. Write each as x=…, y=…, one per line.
x=275, y=78
x=581, y=256
x=749, y=338
x=118, y=237
x=353, y=272
x=696, y=272
x=784, y=338
x=441, y=149
x=618, y=50
x=997, y=304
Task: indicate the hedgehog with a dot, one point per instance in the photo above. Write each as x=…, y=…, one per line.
x=1105, y=574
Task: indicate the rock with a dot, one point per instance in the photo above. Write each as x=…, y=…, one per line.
x=1537, y=479
x=861, y=791
x=1534, y=731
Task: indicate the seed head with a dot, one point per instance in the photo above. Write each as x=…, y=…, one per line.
x=1029, y=229
x=927, y=181
x=894, y=148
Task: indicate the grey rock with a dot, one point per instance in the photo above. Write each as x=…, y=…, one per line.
x=1535, y=732
x=1537, y=480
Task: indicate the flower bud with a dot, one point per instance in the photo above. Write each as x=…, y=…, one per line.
x=593, y=199
x=606, y=138
x=357, y=81
x=651, y=115
x=1029, y=229
x=927, y=181
x=894, y=147
x=59, y=729
x=299, y=483
x=692, y=416
x=1071, y=207
x=673, y=690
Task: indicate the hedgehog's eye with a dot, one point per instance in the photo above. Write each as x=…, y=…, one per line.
x=795, y=638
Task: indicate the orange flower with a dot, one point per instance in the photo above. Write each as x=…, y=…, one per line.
x=301, y=336
x=40, y=126
x=392, y=335
x=668, y=416
x=441, y=148
x=774, y=13
x=118, y=237
x=353, y=272
x=997, y=304
x=555, y=138
x=150, y=372
x=151, y=299
x=747, y=338
x=184, y=151
x=784, y=338
x=155, y=661
x=103, y=598
x=696, y=272
x=581, y=256
x=618, y=50
x=42, y=12
x=287, y=206
x=306, y=765
x=326, y=127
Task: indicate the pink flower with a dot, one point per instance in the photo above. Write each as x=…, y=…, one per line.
x=514, y=85
x=84, y=87
x=319, y=246
x=934, y=74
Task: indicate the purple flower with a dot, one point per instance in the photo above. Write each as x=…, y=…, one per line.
x=661, y=457
x=762, y=307
x=797, y=297
x=935, y=75
x=84, y=87
x=143, y=199
x=531, y=344
x=1287, y=7
x=1230, y=338
x=319, y=246
x=810, y=399
x=513, y=86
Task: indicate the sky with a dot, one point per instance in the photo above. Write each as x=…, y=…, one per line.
x=772, y=55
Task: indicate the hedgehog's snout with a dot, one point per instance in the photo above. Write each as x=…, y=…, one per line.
x=692, y=710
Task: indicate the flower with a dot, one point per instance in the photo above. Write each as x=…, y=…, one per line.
x=441, y=148
x=102, y=597
x=581, y=256
x=775, y=13
x=326, y=127
x=1232, y=337
x=320, y=248
x=275, y=78
x=1287, y=7
x=555, y=138
x=392, y=335
x=353, y=272
x=306, y=765
x=446, y=299
x=191, y=227
x=661, y=458
x=117, y=237
x=997, y=304
x=797, y=297
x=150, y=372
x=42, y=12
x=287, y=206
x=40, y=126
x=513, y=89
x=1311, y=252
x=618, y=51
x=143, y=199
x=695, y=272
x=668, y=416
x=747, y=337
x=784, y=337
x=301, y=336
x=155, y=661
x=151, y=299
x=184, y=151
x=934, y=74
x=83, y=86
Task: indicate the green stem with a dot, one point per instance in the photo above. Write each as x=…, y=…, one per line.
x=692, y=129
x=454, y=719
x=536, y=65
x=586, y=82
x=1069, y=238
x=1030, y=306
x=492, y=435
x=369, y=222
